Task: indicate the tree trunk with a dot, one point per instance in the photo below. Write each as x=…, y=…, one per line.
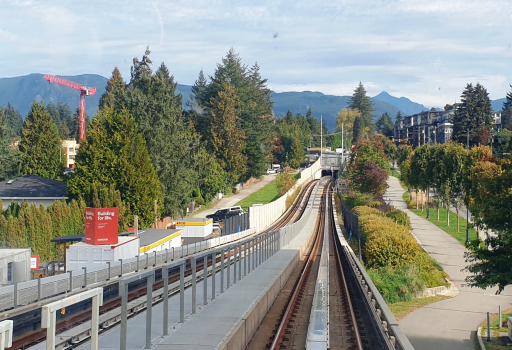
x=447, y=215
x=416, y=199
x=458, y=219
x=428, y=202
x=438, y=207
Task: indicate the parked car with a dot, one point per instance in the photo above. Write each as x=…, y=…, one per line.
x=225, y=213
x=271, y=171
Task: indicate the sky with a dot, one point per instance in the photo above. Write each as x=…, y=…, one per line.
x=425, y=50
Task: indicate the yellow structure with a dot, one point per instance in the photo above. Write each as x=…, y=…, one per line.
x=69, y=151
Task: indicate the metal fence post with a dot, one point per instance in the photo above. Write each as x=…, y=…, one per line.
x=165, y=276
x=121, y=270
x=235, y=248
x=193, y=263
x=214, y=272
x=108, y=263
x=149, y=309
x=166, y=255
x=222, y=270
x=182, y=292
x=205, y=279
x=138, y=258
x=39, y=292
x=147, y=260
x=155, y=258
x=85, y=276
x=229, y=268
x=240, y=261
x=245, y=258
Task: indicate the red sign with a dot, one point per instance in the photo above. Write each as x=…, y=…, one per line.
x=34, y=262
x=101, y=225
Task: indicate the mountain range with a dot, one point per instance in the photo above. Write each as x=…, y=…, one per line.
x=22, y=91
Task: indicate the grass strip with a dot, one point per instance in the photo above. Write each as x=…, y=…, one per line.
x=404, y=308
x=496, y=342
x=452, y=229
x=264, y=195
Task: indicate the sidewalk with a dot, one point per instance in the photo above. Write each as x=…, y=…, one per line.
x=237, y=197
x=449, y=324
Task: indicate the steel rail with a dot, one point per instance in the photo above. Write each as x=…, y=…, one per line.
x=355, y=329
x=280, y=334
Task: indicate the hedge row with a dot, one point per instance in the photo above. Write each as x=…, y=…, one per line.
x=398, y=266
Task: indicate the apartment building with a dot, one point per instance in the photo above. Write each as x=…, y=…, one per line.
x=69, y=151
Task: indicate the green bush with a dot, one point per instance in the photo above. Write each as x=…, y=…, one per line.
x=399, y=217
x=398, y=266
x=355, y=199
x=397, y=284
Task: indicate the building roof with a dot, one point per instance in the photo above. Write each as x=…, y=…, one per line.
x=150, y=236
x=33, y=186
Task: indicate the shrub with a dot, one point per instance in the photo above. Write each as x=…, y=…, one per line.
x=397, y=284
x=399, y=217
x=355, y=199
x=284, y=182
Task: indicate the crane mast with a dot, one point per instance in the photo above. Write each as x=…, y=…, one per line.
x=84, y=91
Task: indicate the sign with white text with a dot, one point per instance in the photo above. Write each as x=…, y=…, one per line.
x=101, y=225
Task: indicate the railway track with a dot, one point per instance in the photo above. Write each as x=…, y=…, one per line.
x=80, y=313
x=347, y=320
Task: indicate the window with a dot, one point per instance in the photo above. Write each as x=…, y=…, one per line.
x=71, y=150
x=71, y=157
x=9, y=272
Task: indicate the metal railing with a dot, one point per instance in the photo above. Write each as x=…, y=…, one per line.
x=351, y=224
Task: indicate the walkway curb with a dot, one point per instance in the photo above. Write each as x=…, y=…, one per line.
x=479, y=337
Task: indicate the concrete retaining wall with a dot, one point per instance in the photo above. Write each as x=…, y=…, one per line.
x=262, y=216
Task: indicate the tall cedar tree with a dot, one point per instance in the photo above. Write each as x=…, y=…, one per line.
x=227, y=139
x=361, y=101
x=314, y=127
x=9, y=157
x=385, y=125
x=474, y=114
x=115, y=93
x=40, y=144
x=151, y=99
x=506, y=115
x=14, y=121
x=115, y=154
x=255, y=108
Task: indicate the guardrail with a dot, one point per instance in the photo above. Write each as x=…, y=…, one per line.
x=382, y=315
x=25, y=293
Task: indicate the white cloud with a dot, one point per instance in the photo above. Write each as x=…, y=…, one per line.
x=406, y=47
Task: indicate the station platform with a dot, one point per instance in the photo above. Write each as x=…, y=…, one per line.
x=226, y=322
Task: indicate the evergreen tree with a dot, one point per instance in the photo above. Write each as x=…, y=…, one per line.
x=212, y=178
x=361, y=101
x=171, y=143
x=254, y=105
x=296, y=153
x=506, y=114
x=385, y=125
x=40, y=144
x=14, y=121
x=226, y=139
x=314, y=127
x=359, y=129
x=115, y=154
x=115, y=92
x=473, y=115
x=9, y=156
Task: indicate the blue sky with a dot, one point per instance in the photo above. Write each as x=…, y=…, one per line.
x=424, y=50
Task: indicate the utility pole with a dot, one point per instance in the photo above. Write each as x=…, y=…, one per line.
x=321, y=138
x=467, y=209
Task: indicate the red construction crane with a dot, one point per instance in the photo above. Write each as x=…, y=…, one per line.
x=84, y=91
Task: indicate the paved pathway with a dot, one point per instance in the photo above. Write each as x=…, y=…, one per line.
x=237, y=197
x=449, y=324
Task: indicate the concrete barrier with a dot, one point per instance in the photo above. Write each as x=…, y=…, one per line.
x=262, y=216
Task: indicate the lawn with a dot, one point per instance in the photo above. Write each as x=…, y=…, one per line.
x=404, y=308
x=264, y=195
x=452, y=229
